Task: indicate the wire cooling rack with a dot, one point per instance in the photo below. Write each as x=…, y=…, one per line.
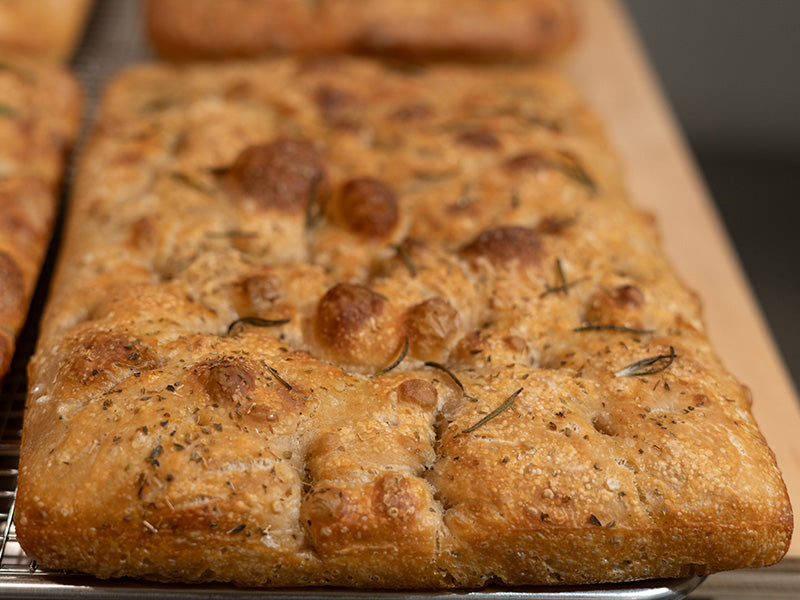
x=11, y=557
x=113, y=40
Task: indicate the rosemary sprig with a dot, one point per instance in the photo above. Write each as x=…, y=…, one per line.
x=611, y=327
x=648, y=366
x=406, y=258
x=396, y=361
x=504, y=406
x=257, y=322
x=441, y=367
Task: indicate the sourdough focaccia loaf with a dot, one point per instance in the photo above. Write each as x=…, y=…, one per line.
x=39, y=117
x=325, y=322
x=482, y=29
x=42, y=29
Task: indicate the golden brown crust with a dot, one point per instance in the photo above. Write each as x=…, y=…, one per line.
x=475, y=29
x=42, y=29
x=39, y=118
x=242, y=377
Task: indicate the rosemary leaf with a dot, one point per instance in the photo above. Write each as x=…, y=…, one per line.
x=7, y=111
x=648, y=366
x=396, y=361
x=570, y=167
x=542, y=122
x=611, y=327
x=257, y=322
x=232, y=233
x=563, y=285
x=314, y=209
x=188, y=181
x=561, y=276
x=155, y=105
x=221, y=171
x=432, y=175
x=504, y=406
x=278, y=377
x=406, y=258
x=452, y=375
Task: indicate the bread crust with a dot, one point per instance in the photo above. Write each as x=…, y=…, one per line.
x=42, y=29
x=503, y=381
x=39, y=118
x=475, y=29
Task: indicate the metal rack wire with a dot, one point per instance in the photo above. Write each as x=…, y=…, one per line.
x=12, y=406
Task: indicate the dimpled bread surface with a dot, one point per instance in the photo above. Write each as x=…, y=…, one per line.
x=327, y=322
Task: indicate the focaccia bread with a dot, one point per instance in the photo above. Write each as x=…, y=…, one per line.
x=477, y=29
x=42, y=29
x=40, y=111
x=326, y=322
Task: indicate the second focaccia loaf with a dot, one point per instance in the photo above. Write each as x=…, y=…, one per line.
x=322, y=322
x=482, y=29
x=40, y=110
x=42, y=29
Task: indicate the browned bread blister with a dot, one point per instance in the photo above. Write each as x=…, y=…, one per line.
x=327, y=322
x=39, y=118
x=416, y=29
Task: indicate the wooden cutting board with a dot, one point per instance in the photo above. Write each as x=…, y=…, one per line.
x=610, y=66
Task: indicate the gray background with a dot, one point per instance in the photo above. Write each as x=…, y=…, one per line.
x=731, y=71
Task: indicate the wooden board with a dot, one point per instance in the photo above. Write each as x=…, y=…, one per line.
x=610, y=67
